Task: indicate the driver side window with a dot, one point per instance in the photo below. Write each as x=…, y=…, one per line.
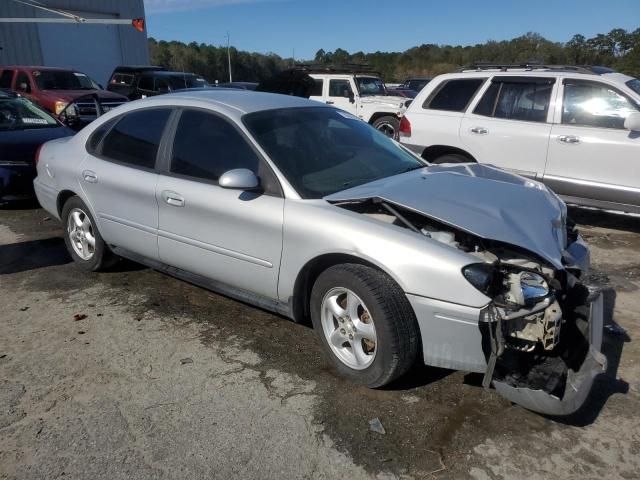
x=593, y=104
x=23, y=78
x=339, y=88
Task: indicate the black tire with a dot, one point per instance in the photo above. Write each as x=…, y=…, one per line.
x=452, y=158
x=395, y=323
x=102, y=257
x=388, y=125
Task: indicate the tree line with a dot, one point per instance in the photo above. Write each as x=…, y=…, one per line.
x=618, y=49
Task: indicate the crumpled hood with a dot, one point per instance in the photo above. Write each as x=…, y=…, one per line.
x=479, y=199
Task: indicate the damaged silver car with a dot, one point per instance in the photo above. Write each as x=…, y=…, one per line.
x=307, y=211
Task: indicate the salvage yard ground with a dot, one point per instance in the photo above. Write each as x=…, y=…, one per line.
x=133, y=374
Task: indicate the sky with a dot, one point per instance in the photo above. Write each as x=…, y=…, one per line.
x=280, y=26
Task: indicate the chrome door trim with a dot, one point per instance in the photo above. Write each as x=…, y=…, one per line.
x=593, y=190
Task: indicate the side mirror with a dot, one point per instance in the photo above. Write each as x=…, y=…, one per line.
x=632, y=122
x=239, y=179
x=24, y=87
x=351, y=96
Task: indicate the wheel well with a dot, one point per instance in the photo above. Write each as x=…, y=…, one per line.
x=435, y=151
x=63, y=196
x=307, y=277
x=378, y=115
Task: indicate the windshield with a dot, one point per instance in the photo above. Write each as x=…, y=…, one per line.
x=323, y=150
x=370, y=86
x=634, y=85
x=186, y=81
x=20, y=113
x=63, y=80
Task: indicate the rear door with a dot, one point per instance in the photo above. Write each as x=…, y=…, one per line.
x=119, y=178
x=509, y=125
x=591, y=154
x=229, y=236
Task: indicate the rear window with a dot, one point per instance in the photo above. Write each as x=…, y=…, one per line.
x=454, y=95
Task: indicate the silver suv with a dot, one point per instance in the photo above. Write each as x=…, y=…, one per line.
x=575, y=130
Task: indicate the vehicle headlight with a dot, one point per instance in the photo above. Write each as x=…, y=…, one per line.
x=534, y=286
x=60, y=106
x=525, y=288
x=483, y=276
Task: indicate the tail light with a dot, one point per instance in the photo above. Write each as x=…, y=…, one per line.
x=37, y=158
x=405, y=127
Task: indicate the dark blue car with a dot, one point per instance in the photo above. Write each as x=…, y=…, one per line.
x=24, y=126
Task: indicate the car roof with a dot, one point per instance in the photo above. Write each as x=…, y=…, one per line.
x=615, y=77
x=137, y=68
x=234, y=103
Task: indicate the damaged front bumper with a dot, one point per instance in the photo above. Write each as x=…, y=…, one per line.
x=579, y=375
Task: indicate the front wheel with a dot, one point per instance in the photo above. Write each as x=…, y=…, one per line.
x=365, y=324
x=82, y=238
x=388, y=125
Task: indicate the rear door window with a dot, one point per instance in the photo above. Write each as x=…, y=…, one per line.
x=317, y=88
x=454, y=95
x=145, y=83
x=517, y=98
x=135, y=139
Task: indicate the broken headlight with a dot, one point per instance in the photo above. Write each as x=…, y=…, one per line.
x=526, y=288
x=484, y=276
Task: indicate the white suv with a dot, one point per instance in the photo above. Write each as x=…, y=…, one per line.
x=360, y=91
x=575, y=130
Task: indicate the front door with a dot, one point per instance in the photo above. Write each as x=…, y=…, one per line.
x=229, y=236
x=591, y=155
x=510, y=125
x=340, y=94
x=119, y=179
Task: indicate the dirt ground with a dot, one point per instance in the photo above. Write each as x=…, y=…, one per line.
x=135, y=375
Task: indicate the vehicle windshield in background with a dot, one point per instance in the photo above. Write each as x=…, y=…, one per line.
x=634, y=85
x=416, y=85
x=20, y=113
x=63, y=80
x=370, y=86
x=186, y=81
x=322, y=150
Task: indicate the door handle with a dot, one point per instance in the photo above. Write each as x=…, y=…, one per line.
x=479, y=130
x=172, y=198
x=90, y=176
x=330, y=102
x=570, y=139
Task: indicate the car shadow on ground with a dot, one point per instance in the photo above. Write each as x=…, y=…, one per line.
x=32, y=254
x=603, y=219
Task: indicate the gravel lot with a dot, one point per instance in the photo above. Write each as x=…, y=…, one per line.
x=135, y=375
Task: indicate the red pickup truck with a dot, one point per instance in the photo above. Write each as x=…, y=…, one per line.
x=55, y=88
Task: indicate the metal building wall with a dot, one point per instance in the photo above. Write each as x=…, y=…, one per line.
x=92, y=48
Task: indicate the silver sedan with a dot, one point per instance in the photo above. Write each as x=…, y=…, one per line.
x=305, y=210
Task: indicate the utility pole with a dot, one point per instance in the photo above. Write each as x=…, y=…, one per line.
x=229, y=56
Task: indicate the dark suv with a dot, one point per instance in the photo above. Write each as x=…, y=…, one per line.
x=142, y=82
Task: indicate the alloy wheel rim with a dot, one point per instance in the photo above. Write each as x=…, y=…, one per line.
x=388, y=129
x=349, y=328
x=80, y=232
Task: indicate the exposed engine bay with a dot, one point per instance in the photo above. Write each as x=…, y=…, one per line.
x=535, y=330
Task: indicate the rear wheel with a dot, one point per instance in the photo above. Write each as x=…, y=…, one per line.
x=82, y=238
x=452, y=158
x=388, y=125
x=364, y=323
